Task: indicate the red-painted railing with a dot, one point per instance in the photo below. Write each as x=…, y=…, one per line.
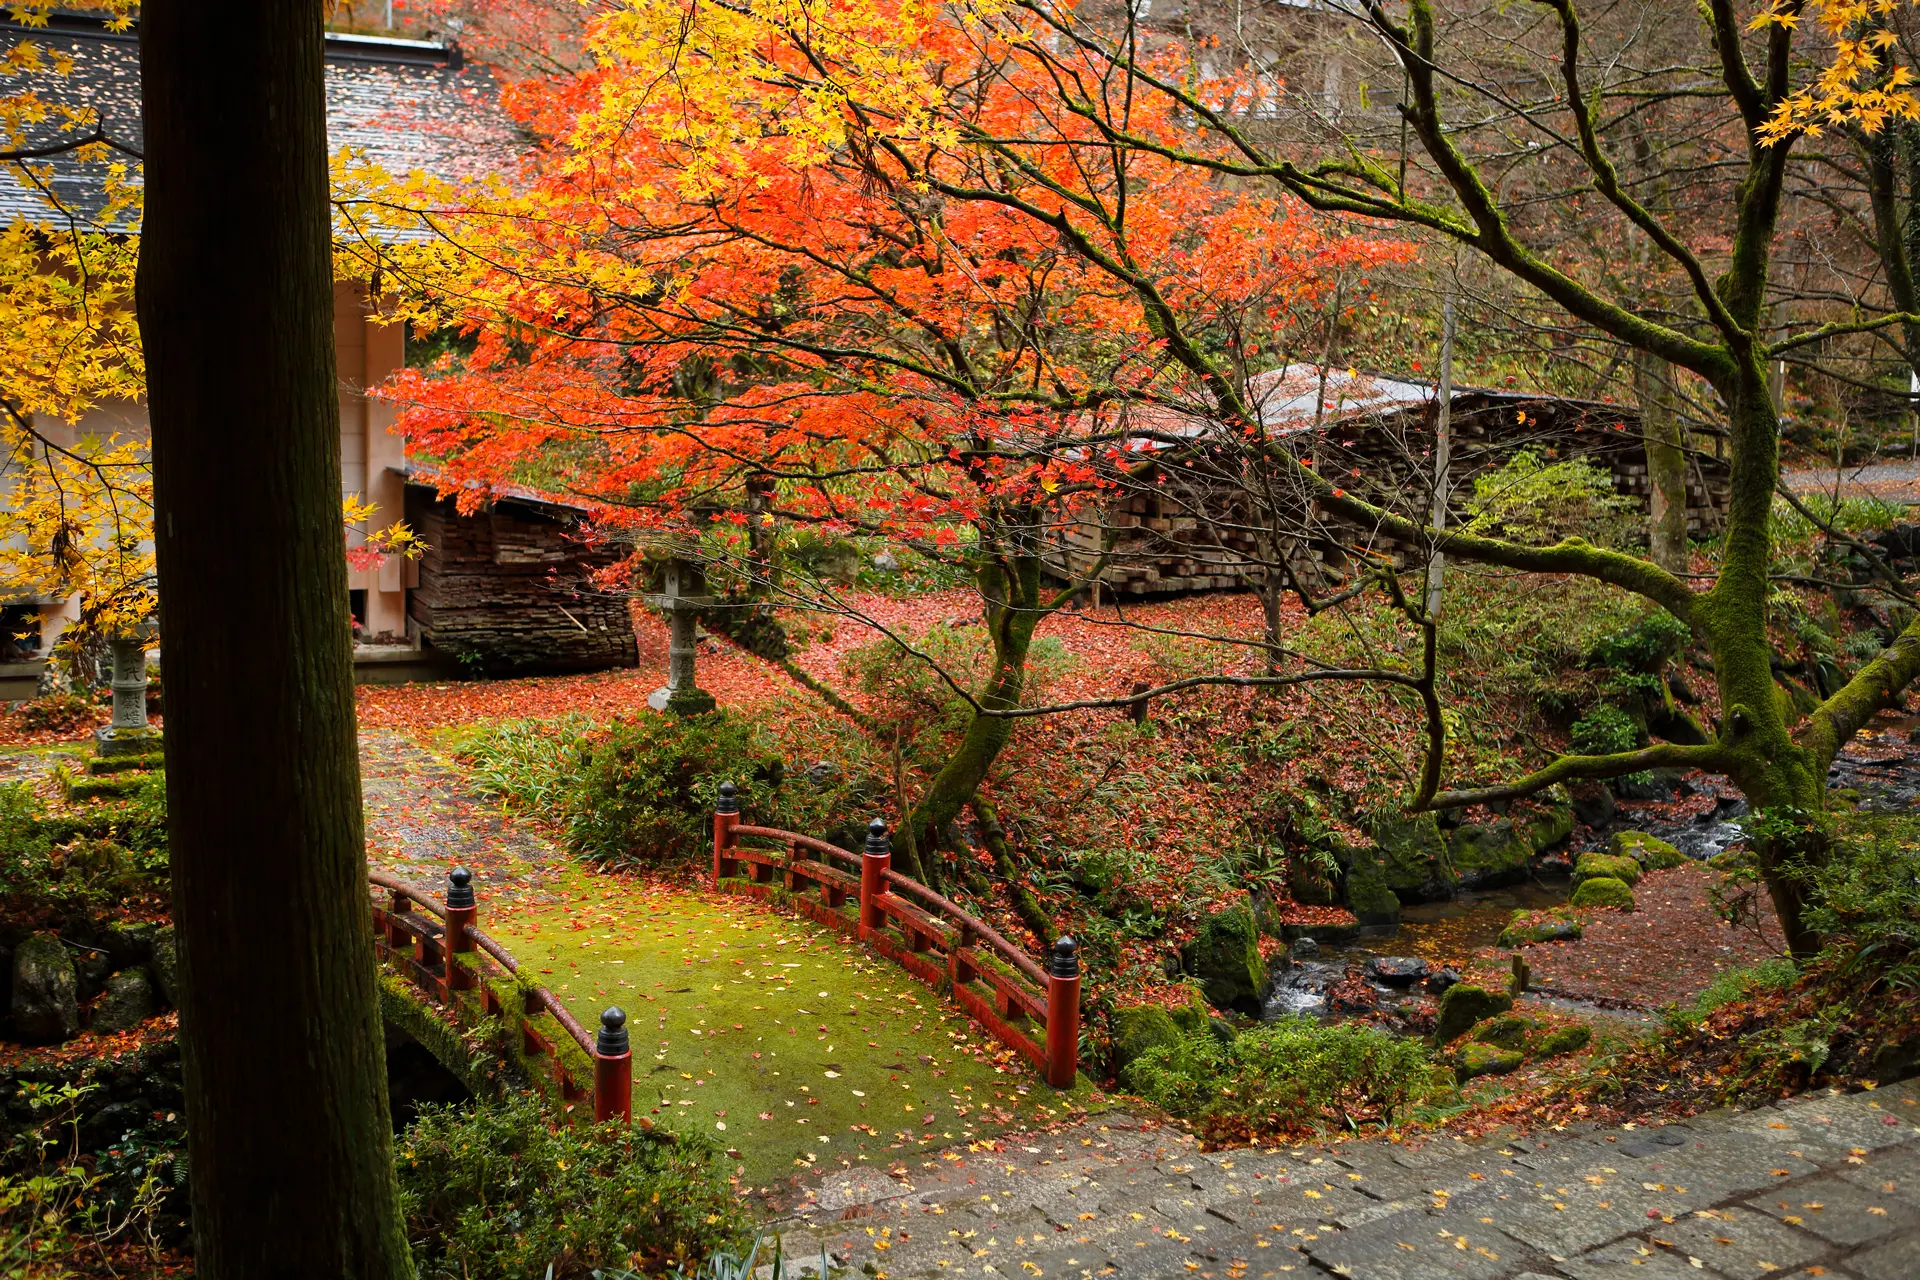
x=1000, y=985
x=422, y=945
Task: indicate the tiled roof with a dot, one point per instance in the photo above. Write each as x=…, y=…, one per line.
x=407, y=104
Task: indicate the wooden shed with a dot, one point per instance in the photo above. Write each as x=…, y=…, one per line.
x=1373, y=435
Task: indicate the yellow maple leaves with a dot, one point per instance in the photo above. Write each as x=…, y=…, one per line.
x=1860, y=84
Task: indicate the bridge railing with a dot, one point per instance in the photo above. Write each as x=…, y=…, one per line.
x=436, y=945
x=1032, y=1009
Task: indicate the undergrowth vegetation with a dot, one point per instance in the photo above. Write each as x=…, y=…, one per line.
x=1293, y=1078
x=505, y=1189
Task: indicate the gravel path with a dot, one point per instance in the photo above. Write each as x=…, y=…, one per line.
x=1888, y=481
x=1824, y=1185
x=422, y=821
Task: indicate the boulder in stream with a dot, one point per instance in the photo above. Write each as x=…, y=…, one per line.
x=1225, y=956
x=1649, y=852
x=1465, y=1004
x=1489, y=854
x=1396, y=971
x=46, y=991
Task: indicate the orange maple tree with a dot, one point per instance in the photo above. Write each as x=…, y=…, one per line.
x=721, y=304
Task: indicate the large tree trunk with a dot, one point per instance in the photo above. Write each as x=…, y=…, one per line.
x=287, y=1117
x=1776, y=773
x=1666, y=461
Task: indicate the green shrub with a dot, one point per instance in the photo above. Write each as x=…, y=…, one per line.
x=1605, y=731
x=95, y=859
x=529, y=766
x=1603, y=891
x=1532, y=500
x=647, y=785
x=501, y=1190
x=1865, y=898
x=1644, y=647
x=1290, y=1076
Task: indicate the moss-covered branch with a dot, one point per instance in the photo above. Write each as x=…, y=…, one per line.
x=1874, y=688
x=1709, y=756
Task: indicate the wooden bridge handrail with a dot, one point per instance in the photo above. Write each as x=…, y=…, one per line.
x=434, y=906
x=1015, y=956
x=495, y=950
x=436, y=968
x=798, y=841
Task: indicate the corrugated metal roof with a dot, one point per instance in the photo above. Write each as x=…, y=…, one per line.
x=408, y=104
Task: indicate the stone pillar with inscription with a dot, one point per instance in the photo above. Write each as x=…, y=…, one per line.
x=129, y=734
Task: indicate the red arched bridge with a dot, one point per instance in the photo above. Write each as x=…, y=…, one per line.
x=437, y=946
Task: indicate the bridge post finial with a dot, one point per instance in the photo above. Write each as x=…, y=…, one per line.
x=612, y=1068
x=873, y=878
x=462, y=913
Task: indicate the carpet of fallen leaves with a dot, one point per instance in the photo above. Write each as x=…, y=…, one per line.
x=1664, y=951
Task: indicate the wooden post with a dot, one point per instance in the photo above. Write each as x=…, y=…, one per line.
x=1063, y=1014
x=462, y=910
x=398, y=906
x=726, y=816
x=873, y=878
x=612, y=1069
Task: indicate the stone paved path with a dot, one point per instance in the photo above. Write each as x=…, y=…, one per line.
x=1824, y=1185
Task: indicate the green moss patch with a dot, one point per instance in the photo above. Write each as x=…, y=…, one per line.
x=1650, y=853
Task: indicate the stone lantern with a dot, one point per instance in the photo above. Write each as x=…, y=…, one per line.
x=682, y=597
x=129, y=734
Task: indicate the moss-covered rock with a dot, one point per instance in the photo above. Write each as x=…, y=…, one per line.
x=1604, y=891
x=1226, y=958
x=1507, y=1031
x=1413, y=856
x=1489, y=854
x=1568, y=1039
x=1478, y=1059
x=1526, y=928
x=1194, y=1015
x=1551, y=827
x=1365, y=890
x=1592, y=866
x=1137, y=1030
x=1650, y=853
x=1464, y=1005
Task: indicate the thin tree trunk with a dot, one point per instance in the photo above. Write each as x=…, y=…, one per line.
x=1666, y=461
x=1442, y=457
x=287, y=1117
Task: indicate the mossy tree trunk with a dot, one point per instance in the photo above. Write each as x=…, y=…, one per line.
x=287, y=1118
x=1011, y=585
x=1666, y=462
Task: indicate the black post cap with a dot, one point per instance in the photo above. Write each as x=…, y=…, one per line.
x=1065, y=961
x=877, y=842
x=729, y=801
x=459, y=888
x=612, y=1040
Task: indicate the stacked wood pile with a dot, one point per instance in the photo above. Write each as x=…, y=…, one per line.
x=1173, y=534
x=506, y=592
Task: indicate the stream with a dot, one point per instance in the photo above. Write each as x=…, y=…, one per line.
x=1698, y=815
